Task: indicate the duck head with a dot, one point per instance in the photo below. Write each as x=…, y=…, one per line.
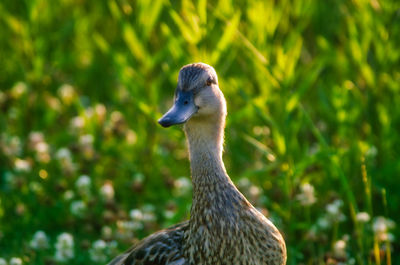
x=197, y=96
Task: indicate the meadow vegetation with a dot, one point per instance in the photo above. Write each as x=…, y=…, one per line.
x=312, y=136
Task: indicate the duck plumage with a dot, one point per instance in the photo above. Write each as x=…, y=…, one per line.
x=224, y=228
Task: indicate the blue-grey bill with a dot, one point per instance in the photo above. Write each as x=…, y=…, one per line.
x=181, y=111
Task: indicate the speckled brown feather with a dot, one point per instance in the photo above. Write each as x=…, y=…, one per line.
x=224, y=228
x=162, y=247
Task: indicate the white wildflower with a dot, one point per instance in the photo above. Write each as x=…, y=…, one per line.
x=306, y=197
x=182, y=186
x=339, y=248
x=100, y=111
x=126, y=229
x=381, y=227
x=19, y=89
x=363, y=217
x=35, y=138
x=169, y=214
x=42, y=152
x=86, y=140
x=148, y=213
x=39, y=241
x=106, y=232
x=22, y=165
x=64, y=157
x=42, y=147
x=83, y=184
x=107, y=191
x=11, y=145
x=63, y=154
x=3, y=261
x=77, y=122
x=131, y=137
x=15, y=261
x=64, y=247
x=254, y=191
x=334, y=207
x=334, y=211
x=68, y=195
x=67, y=93
x=323, y=222
x=78, y=208
x=86, y=145
x=98, y=251
x=136, y=215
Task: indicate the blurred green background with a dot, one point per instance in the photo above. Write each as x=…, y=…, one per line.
x=313, y=92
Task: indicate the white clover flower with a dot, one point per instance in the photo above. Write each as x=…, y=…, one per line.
x=130, y=137
x=11, y=146
x=98, y=251
x=86, y=145
x=100, y=111
x=35, y=138
x=126, y=229
x=67, y=93
x=332, y=216
x=39, y=241
x=381, y=227
x=148, y=213
x=334, y=207
x=64, y=157
x=334, y=213
x=254, y=191
x=107, y=191
x=64, y=247
x=83, y=184
x=323, y=222
x=68, y=195
x=306, y=197
x=3, y=261
x=42, y=147
x=63, y=154
x=19, y=89
x=77, y=123
x=106, y=232
x=86, y=140
x=42, y=152
x=183, y=186
x=15, y=261
x=339, y=248
x=136, y=215
x=244, y=183
x=22, y=165
x=169, y=214
x=363, y=217
x=78, y=208
x=149, y=217
x=83, y=181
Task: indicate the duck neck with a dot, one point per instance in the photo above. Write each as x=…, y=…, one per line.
x=205, y=149
x=213, y=191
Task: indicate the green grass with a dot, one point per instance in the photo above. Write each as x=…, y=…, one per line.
x=313, y=92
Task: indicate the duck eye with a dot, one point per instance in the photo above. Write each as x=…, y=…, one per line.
x=208, y=82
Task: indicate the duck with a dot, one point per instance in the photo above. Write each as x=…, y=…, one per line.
x=224, y=227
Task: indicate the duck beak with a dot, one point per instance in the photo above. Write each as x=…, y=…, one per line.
x=181, y=111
